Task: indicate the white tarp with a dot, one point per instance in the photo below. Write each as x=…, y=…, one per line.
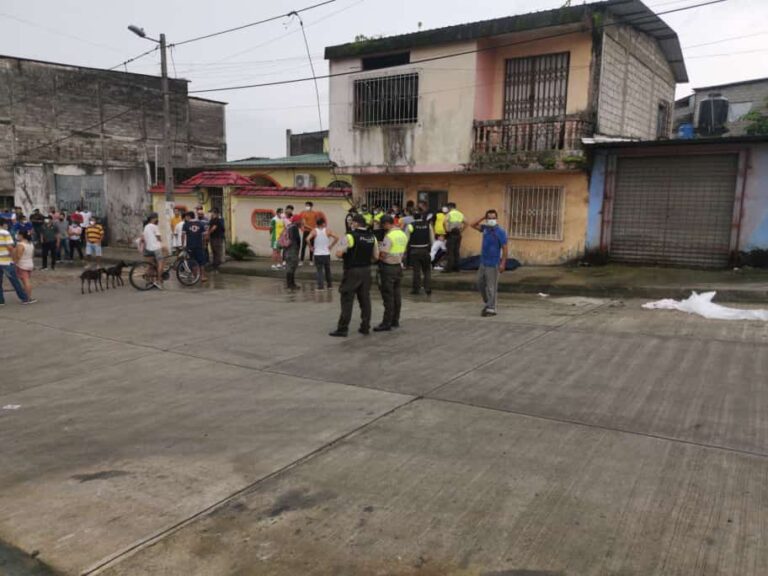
x=702, y=305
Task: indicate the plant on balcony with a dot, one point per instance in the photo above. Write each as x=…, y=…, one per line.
x=547, y=160
x=574, y=162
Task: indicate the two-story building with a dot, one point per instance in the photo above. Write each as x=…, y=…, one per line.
x=491, y=114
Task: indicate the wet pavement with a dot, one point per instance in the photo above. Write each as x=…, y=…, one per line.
x=218, y=430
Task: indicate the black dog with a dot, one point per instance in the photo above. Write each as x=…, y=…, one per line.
x=91, y=275
x=115, y=273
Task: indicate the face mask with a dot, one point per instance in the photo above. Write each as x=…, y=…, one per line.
x=307, y=208
x=445, y=210
x=491, y=222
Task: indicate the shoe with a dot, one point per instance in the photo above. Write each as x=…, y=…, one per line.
x=395, y=324
x=415, y=292
x=364, y=331
x=490, y=312
x=301, y=263
x=158, y=286
x=438, y=268
x=44, y=268
x=338, y=334
x=274, y=267
x=382, y=328
x=31, y=301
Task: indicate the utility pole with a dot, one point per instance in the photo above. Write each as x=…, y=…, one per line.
x=168, y=156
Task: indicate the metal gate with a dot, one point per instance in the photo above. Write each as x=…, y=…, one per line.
x=74, y=191
x=674, y=210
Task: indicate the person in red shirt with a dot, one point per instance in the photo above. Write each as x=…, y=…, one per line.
x=308, y=223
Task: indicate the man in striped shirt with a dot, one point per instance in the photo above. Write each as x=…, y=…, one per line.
x=94, y=235
x=7, y=267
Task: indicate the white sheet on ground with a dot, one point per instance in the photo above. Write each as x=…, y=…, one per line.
x=702, y=305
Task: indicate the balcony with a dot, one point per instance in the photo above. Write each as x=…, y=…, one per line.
x=552, y=143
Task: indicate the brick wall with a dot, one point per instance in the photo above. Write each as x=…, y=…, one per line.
x=109, y=118
x=635, y=78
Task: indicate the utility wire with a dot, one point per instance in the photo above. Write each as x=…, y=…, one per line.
x=244, y=26
x=642, y=19
x=312, y=67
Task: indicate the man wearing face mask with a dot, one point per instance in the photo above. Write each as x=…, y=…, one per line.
x=454, y=227
x=309, y=220
x=493, y=259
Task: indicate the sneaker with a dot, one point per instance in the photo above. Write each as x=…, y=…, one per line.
x=364, y=331
x=490, y=312
x=438, y=268
x=31, y=301
x=382, y=328
x=338, y=334
x=44, y=268
x=301, y=263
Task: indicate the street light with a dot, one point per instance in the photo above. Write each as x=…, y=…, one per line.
x=166, y=108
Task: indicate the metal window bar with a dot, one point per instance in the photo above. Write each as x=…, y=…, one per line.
x=536, y=212
x=384, y=197
x=387, y=100
x=536, y=86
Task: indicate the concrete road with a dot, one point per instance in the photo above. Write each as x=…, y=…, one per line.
x=219, y=431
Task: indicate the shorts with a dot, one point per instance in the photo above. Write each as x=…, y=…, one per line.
x=156, y=254
x=198, y=255
x=93, y=249
x=23, y=275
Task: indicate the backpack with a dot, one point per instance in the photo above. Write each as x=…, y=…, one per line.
x=285, y=237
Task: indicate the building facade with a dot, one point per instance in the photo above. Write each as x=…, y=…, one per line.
x=71, y=135
x=492, y=115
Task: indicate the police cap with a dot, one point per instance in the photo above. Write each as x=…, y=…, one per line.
x=387, y=219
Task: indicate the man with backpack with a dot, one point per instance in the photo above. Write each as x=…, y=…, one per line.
x=290, y=242
x=493, y=259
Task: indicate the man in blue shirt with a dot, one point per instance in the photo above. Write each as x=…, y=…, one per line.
x=493, y=259
x=193, y=239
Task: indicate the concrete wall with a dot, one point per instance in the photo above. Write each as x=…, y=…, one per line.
x=243, y=206
x=634, y=78
x=754, y=225
x=57, y=115
x=442, y=138
x=474, y=194
x=127, y=204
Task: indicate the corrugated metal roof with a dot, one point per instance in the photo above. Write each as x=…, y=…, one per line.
x=259, y=191
x=631, y=12
x=303, y=160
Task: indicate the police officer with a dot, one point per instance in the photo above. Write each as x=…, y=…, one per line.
x=391, y=272
x=367, y=215
x=421, y=238
x=454, y=226
x=359, y=249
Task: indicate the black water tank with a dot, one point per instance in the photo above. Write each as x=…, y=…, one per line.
x=713, y=115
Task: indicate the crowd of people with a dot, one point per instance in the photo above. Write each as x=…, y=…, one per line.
x=392, y=239
x=57, y=235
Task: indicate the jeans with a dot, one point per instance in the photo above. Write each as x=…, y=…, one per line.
x=217, y=247
x=323, y=268
x=291, y=263
x=63, y=250
x=422, y=265
x=75, y=245
x=304, y=243
x=391, y=276
x=488, y=284
x=355, y=283
x=49, y=248
x=10, y=271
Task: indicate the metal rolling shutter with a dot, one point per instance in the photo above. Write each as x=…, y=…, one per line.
x=676, y=210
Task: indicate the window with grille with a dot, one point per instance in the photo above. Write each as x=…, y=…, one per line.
x=384, y=197
x=262, y=219
x=536, y=212
x=387, y=100
x=536, y=86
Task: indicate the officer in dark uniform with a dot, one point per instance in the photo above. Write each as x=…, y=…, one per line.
x=421, y=238
x=359, y=250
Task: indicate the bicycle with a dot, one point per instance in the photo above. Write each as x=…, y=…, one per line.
x=143, y=274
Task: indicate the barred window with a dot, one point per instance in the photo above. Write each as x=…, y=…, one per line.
x=384, y=197
x=387, y=100
x=262, y=219
x=536, y=86
x=536, y=212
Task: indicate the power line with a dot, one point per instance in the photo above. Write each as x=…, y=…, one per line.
x=764, y=32
x=244, y=26
x=640, y=20
x=312, y=68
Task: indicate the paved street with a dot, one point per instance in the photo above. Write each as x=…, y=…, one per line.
x=220, y=431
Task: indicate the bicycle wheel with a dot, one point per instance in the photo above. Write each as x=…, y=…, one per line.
x=142, y=276
x=187, y=272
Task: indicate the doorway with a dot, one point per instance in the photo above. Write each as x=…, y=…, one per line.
x=436, y=199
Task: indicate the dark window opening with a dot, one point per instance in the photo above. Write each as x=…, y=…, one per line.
x=662, y=120
x=536, y=86
x=387, y=100
x=379, y=62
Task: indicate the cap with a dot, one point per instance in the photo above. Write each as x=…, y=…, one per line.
x=387, y=219
x=359, y=219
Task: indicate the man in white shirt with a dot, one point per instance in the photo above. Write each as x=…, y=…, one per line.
x=153, y=248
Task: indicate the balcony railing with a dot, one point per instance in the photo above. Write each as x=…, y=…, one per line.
x=549, y=142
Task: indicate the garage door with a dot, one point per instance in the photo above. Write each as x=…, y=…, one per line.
x=676, y=210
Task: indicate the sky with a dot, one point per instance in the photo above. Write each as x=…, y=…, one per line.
x=724, y=42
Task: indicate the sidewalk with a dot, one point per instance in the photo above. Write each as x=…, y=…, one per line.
x=617, y=281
